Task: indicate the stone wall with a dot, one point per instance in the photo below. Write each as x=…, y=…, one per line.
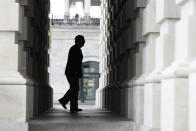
x=148, y=65
x=122, y=44
x=24, y=62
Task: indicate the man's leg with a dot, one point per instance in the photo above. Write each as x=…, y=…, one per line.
x=74, y=93
x=67, y=97
x=74, y=97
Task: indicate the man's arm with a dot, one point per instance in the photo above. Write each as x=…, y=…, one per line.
x=79, y=64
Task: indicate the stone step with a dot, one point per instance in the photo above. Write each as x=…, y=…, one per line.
x=90, y=119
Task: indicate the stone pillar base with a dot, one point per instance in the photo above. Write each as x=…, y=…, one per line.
x=192, y=100
x=14, y=126
x=174, y=104
x=13, y=103
x=139, y=127
x=138, y=104
x=152, y=106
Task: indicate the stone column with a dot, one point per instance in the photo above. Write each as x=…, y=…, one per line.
x=167, y=16
x=87, y=4
x=138, y=87
x=138, y=90
x=175, y=77
x=151, y=88
x=103, y=42
x=23, y=53
x=67, y=7
x=13, y=88
x=140, y=42
x=188, y=14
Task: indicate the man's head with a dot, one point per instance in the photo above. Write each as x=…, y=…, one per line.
x=79, y=40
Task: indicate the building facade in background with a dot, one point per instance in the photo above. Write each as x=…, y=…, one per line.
x=63, y=32
x=62, y=38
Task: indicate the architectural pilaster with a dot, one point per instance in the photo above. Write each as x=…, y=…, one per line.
x=87, y=4
x=151, y=88
x=167, y=16
x=135, y=64
x=188, y=19
x=66, y=11
x=12, y=84
x=23, y=84
x=103, y=35
x=67, y=7
x=175, y=80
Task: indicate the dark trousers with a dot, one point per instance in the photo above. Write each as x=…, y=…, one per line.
x=72, y=94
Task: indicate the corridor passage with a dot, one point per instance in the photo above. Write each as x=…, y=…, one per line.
x=91, y=119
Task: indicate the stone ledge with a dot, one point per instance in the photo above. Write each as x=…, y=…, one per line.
x=176, y=70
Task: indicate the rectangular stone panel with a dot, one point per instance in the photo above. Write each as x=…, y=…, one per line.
x=9, y=17
x=7, y=37
x=166, y=9
x=174, y=104
x=8, y=57
x=152, y=105
x=149, y=19
x=13, y=103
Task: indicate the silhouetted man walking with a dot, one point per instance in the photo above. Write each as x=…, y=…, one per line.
x=73, y=72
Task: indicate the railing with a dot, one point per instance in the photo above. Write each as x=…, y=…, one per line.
x=81, y=21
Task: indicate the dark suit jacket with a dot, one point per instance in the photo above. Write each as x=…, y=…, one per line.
x=74, y=63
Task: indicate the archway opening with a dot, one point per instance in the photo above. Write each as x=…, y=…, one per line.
x=68, y=19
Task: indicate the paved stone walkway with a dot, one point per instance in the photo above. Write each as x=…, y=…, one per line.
x=90, y=119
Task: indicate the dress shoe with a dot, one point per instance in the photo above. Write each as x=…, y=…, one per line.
x=63, y=105
x=75, y=110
